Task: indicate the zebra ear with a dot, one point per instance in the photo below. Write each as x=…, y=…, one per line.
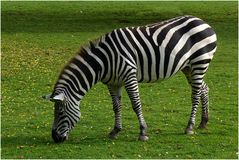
x=59, y=97
x=47, y=97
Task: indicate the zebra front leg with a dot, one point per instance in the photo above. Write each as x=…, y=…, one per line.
x=205, y=106
x=115, y=93
x=131, y=86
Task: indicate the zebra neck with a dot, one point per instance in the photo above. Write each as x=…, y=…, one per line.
x=79, y=75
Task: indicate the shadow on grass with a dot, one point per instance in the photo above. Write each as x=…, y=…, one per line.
x=25, y=140
x=24, y=143
x=21, y=141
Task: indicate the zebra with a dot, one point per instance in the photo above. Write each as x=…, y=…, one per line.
x=131, y=55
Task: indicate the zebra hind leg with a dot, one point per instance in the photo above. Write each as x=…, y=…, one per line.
x=195, y=98
x=115, y=93
x=205, y=105
x=195, y=76
x=195, y=103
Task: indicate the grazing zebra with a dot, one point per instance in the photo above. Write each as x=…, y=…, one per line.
x=130, y=55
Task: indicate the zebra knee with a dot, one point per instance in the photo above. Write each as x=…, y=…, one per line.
x=117, y=109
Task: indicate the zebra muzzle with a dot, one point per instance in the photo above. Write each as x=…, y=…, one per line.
x=59, y=138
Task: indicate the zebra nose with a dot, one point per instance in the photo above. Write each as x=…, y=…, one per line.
x=57, y=138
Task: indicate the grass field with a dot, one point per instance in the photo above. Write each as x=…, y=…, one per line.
x=38, y=38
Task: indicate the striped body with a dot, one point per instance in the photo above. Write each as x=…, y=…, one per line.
x=130, y=55
x=156, y=51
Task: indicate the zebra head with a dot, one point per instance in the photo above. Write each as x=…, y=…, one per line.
x=66, y=115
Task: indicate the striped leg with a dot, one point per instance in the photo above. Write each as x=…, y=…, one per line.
x=205, y=106
x=131, y=85
x=195, y=103
x=199, y=90
x=115, y=93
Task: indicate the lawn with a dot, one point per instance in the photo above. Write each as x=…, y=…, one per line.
x=38, y=38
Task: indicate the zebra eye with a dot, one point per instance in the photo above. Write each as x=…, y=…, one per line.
x=59, y=108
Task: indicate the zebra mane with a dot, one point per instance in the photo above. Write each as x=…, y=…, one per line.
x=81, y=51
x=90, y=44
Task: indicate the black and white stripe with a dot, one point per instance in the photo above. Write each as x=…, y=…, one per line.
x=130, y=55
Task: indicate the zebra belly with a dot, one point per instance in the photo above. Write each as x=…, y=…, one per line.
x=147, y=80
x=157, y=77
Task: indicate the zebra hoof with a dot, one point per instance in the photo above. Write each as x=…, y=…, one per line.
x=189, y=131
x=112, y=136
x=143, y=138
x=202, y=126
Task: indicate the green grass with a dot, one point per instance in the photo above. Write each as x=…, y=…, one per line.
x=38, y=38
